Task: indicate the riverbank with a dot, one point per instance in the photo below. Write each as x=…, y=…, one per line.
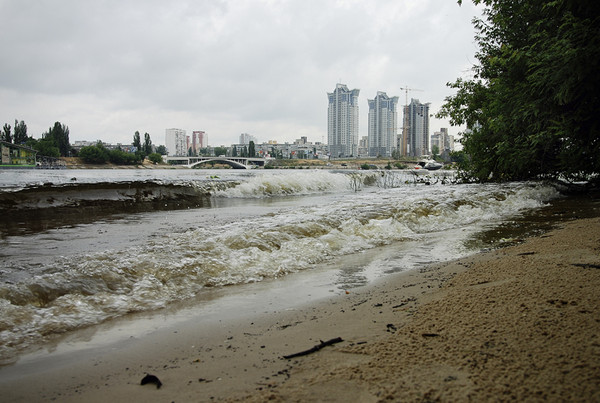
x=379, y=163
x=519, y=323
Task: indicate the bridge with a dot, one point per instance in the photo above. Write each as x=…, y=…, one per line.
x=234, y=162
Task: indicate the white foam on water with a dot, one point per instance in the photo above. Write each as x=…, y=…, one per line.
x=79, y=290
x=270, y=184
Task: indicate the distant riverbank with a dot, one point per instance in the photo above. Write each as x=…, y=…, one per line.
x=378, y=163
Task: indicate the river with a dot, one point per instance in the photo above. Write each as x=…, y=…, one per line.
x=84, y=247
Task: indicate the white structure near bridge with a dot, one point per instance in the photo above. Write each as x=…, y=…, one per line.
x=176, y=142
x=234, y=162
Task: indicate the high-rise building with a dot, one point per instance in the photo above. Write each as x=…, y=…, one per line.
x=199, y=140
x=383, y=119
x=342, y=122
x=363, y=147
x=176, y=142
x=246, y=138
x=442, y=140
x=417, y=118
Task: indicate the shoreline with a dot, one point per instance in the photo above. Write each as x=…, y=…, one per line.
x=518, y=323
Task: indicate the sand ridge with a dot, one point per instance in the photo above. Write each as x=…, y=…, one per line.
x=520, y=324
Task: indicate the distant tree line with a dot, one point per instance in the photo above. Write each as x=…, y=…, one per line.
x=19, y=136
x=248, y=151
x=55, y=143
x=99, y=154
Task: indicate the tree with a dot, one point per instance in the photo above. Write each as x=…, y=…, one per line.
x=162, y=150
x=435, y=151
x=155, y=158
x=120, y=157
x=96, y=154
x=20, y=135
x=234, y=151
x=59, y=135
x=219, y=151
x=251, y=150
x=532, y=103
x=137, y=142
x=147, y=144
x=458, y=157
x=45, y=146
x=6, y=136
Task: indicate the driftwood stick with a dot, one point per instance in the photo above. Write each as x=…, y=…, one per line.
x=315, y=348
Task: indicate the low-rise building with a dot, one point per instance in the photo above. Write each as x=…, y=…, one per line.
x=16, y=156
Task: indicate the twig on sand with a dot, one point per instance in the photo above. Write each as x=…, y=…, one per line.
x=315, y=348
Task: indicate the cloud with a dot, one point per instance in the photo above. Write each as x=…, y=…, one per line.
x=109, y=68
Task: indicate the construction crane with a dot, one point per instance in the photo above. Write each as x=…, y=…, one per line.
x=403, y=151
x=406, y=89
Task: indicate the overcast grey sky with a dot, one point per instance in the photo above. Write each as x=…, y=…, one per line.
x=109, y=68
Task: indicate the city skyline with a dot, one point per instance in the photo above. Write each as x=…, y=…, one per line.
x=222, y=67
x=385, y=126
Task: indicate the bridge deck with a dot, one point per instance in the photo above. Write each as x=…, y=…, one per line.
x=235, y=162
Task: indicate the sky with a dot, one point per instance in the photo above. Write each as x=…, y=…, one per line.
x=108, y=68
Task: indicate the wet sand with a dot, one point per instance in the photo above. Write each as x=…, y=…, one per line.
x=520, y=323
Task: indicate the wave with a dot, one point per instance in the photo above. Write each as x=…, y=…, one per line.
x=172, y=193
x=273, y=184
x=77, y=291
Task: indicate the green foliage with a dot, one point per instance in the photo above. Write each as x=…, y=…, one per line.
x=120, y=157
x=46, y=147
x=162, y=150
x=365, y=166
x=251, y=150
x=6, y=134
x=20, y=135
x=220, y=151
x=277, y=154
x=532, y=103
x=59, y=135
x=435, y=152
x=137, y=142
x=458, y=157
x=96, y=154
x=155, y=158
x=147, y=144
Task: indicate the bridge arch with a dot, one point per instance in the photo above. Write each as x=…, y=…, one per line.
x=233, y=164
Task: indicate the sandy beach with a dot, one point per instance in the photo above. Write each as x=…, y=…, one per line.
x=520, y=323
